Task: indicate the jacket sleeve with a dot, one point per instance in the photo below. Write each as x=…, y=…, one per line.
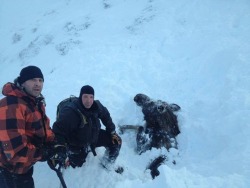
x=13, y=139
x=65, y=125
x=105, y=117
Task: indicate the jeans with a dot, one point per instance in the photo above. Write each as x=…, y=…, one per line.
x=10, y=180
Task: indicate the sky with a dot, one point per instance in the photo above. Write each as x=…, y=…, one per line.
x=193, y=53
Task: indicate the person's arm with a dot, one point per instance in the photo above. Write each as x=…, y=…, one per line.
x=105, y=117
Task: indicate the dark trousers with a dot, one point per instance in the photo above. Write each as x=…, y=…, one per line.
x=78, y=155
x=105, y=140
x=10, y=180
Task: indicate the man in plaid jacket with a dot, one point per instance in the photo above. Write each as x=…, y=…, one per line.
x=25, y=132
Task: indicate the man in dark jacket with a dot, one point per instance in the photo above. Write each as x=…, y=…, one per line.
x=161, y=126
x=25, y=132
x=78, y=127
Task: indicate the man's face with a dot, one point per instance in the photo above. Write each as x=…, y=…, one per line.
x=87, y=100
x=33, y=86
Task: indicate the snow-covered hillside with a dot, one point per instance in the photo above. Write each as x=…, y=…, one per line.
x=193, y=53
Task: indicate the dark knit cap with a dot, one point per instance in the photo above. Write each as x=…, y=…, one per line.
x=87, y=90
x=28, y=73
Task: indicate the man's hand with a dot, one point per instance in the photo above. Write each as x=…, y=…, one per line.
x=59, y=156
x=77, y=159
x=116, y=139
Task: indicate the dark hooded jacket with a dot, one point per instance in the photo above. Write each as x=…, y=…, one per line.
x=77, y=126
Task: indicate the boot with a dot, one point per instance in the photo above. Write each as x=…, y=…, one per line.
x=110, y=155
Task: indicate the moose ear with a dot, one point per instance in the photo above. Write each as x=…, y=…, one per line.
x=141, y=99
x=174, y=107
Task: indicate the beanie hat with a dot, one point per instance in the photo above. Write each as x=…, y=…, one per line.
x=28, y=73
x=87, y=90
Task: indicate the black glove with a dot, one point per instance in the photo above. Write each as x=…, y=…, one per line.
x=59, y=155
x=77, y=158
x=46, y=151
x=116, y=139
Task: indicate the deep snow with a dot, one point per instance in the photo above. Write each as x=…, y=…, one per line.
x=193, y=53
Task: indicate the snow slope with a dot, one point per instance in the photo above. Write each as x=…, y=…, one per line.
x=193, y=53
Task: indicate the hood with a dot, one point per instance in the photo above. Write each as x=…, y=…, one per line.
x=11, y=89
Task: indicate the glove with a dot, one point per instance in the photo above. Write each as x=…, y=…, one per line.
x=59, y=156
x=116, y=139
x=46, y=152
x=77, y=158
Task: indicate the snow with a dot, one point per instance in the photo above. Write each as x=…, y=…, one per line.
x=192, y=53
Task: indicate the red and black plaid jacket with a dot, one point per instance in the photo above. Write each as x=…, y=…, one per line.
x=24, y=129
